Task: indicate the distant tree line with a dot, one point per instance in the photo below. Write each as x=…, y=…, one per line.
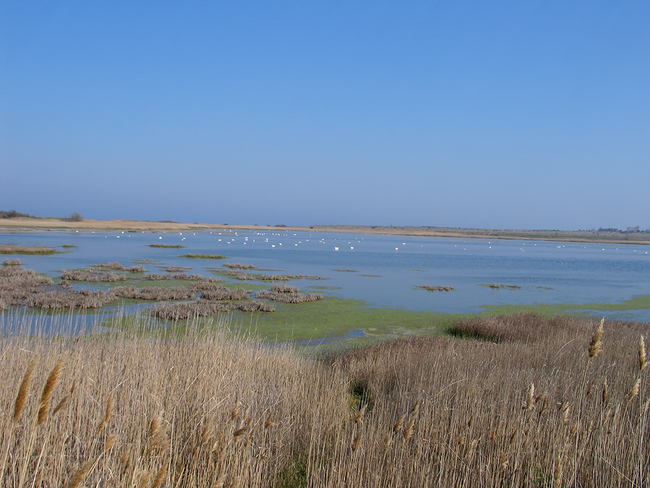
x=626, y=231
x=12, y=214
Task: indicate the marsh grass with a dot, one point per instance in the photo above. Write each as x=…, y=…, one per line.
x=497, y=286
x=433, y=288
x=166, y=246
x=27, y=250
x=208, y=409
x=202, y=256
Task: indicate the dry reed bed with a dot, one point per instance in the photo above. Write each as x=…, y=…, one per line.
x=138, y=412
x=176, y=276
x=566, y=409
x=186, y=311
x=157, y=293
x=91, y=276
x=238, y=266
x=269, y=277
x=434, y=288
x=11, y=262
x=69, y=299
x=293, y=297
x=9, y=249
x=120, y=267
x=224, y=293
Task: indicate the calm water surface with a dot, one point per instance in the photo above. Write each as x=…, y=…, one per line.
x=385, y=268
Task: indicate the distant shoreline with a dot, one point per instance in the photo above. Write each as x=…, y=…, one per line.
x=52, y=224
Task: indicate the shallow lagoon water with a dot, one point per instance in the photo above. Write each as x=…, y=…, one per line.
x=386, y=268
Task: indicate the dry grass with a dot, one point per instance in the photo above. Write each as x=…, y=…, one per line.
x=269, y=277
x=434, y=288
x=91, y=276
x=26, y=250
x=120, y=267
x=205, y=410
x=156, y=293
x=11, y=262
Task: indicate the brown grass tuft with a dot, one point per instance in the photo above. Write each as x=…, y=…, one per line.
x=51, y=382
x=21, y=398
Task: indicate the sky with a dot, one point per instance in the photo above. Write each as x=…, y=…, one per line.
x=522, y=114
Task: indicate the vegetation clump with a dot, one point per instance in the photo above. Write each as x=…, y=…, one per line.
x=184, y=311
x=27, y=250
x=496, y=286
x=91, y=276
x=11, y=262
x=176, y=269
x=69, y=299
x=167, y=246
x=238, y=266
x=287, y=294
x=202, y=256
x=434, y=288
x=269, y=277
x=223, y=293
x=120, y=267
x=156, y=293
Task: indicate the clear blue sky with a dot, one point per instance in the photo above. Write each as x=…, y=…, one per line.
x=508, y=114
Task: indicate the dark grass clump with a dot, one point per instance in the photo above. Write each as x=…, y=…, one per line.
x=239, y=266
x=185, y=311
x=167, y=246
x=81, y=299
x=224, y=293
x=269, y=277
x=18, y=284
x=92, y=276
x=287, y=294
x=213, y=284
x=434, y=288
x=176, y=276
x=202, y=256
x=27, y=250
x=176, y=269
x=346, y=270
x=120, y=267
x=496, y=286
x=11, y=262
x=156, y=293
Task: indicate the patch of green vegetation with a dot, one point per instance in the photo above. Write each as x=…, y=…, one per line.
x=28, y=250
x=337, y=317
x=548, y=310
x=370, y=275
x=167, y=246
x=68, y=246
x=346, y=270
x=203, y=256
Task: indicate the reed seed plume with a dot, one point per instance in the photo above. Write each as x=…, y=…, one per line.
x=642, y=356
x=160, y=476
x=21, y=398
x=605, y=392
x=107, y=415
x=596, y=345
x=80, y=475
x=356, y=442
x=51, y=382
x=154, y=425
x=398, y=424
x=359, y=416
x=635, y=390
x=408, y=431
x=530, y=402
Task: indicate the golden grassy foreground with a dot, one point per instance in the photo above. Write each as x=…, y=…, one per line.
x=552, y=404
